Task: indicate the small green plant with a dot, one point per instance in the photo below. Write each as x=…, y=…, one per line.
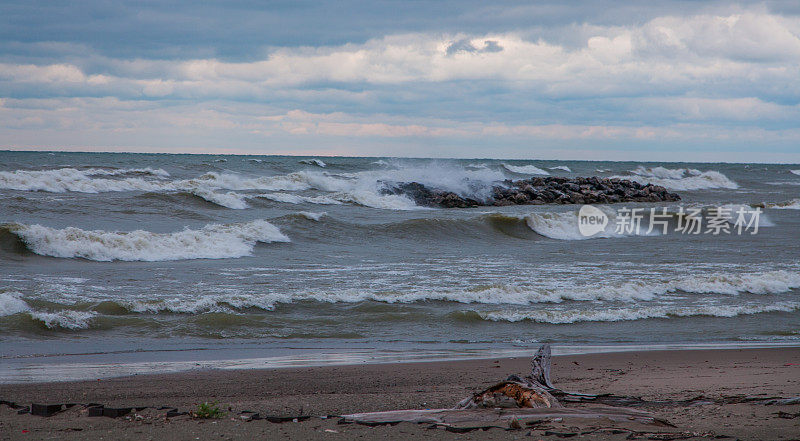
x=208, y=411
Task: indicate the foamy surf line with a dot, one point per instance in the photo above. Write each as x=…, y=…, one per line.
x=633, y=300
x=629, y=314
x=214, y=241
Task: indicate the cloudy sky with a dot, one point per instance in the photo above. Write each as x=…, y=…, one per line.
x=677, y=80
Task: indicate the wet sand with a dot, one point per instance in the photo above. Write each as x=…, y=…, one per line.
x=337, y=390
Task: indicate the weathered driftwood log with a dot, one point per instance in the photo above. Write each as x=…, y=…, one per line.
x=482, y=418
x=531, y=391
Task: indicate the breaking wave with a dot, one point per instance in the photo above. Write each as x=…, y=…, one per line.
x=213, y=241
x=681, y=178
x=298, y=199
x=316, y=162
x=228, y=200
x=525, y=169
x=312, y=216
x=796, y=172
x=83, y=181
x=564, y=226
x=625, y=314
x=561, y=167
x=11, y=303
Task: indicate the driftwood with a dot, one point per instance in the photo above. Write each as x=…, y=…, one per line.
x=484, y=418
x=531, y=391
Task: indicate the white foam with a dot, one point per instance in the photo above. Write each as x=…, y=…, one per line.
x=680, y=179
x=229, y=199
x=11, y=303
x=205, y=303
x=364, y=188
x=525, y=169
x=312, y=216
x=316, y=162
x=371, y=199
x=771, y=282
x=70, y=179
x=796, y=172
x=561, y=167
x=66, y=319
x=623, y=314
x=230, y=181
x=298, y=199
x=128, y=171
x=213, y=241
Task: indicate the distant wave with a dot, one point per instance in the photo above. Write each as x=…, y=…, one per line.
x=525, y=169
x=316, y=162
x=362, y=188
x=560, y=316
x=213, y=241
x=561, y=167
x=84, y=181
x=290, y=198
x=680, y=179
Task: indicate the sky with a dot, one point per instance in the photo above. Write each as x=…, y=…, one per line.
x=588, y=79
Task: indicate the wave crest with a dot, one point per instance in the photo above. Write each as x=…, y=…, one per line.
x=680, y=179
x=215, y=241
x=625, y=314
x=525, y=169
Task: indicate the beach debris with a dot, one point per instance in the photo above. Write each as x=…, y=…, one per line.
x=529, y=400
x=110, y=412
x=47, y=410
x=515, y=391
x=498, y=418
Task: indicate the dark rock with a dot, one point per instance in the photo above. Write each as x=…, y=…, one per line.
x=540, y=190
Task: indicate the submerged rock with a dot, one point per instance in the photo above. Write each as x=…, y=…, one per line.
x=540, y=190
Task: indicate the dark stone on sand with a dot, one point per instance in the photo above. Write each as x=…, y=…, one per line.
x=540, y=190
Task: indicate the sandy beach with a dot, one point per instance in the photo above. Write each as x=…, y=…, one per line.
x=325, y=392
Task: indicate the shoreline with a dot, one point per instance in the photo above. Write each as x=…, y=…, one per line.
x=100, y=365
x=338, y=390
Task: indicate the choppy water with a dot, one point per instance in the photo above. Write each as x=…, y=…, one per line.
x=128, y=252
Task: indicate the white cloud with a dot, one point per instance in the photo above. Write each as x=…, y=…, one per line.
x=687, y=50
x=700, y=78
